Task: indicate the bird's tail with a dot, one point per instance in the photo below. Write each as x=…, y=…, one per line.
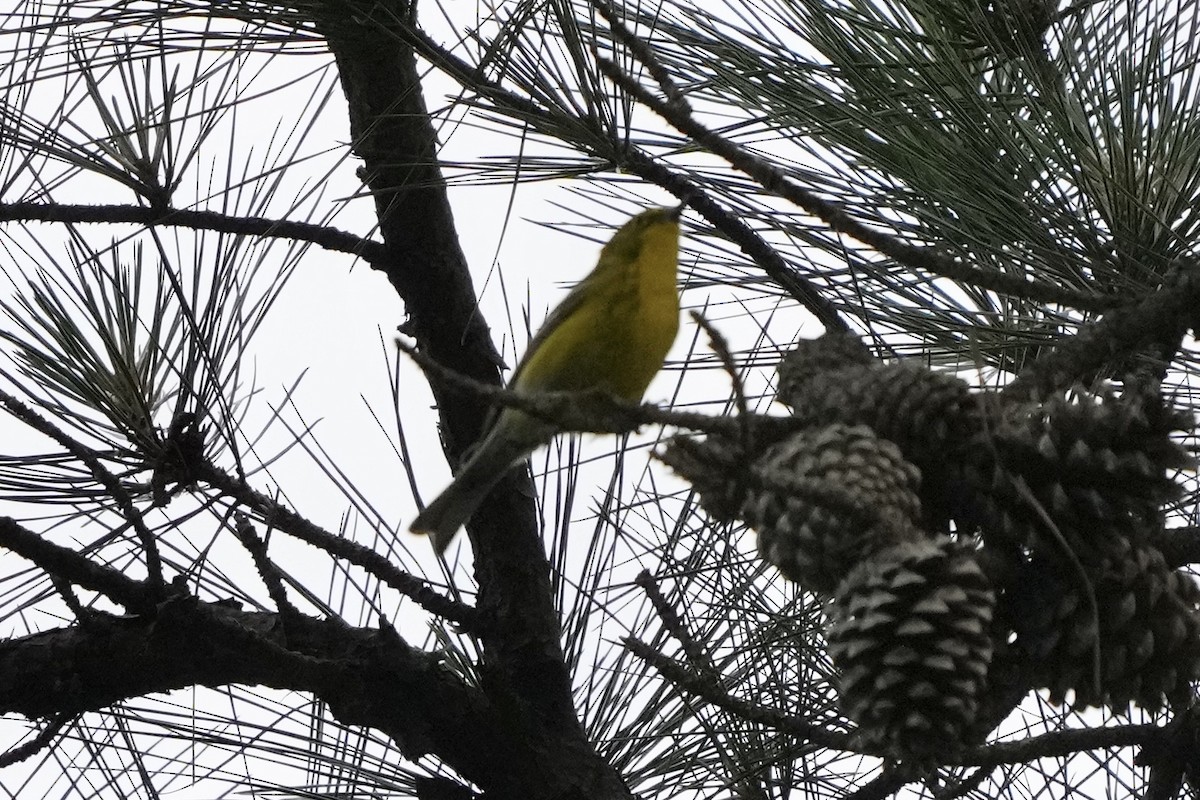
x=448, y=512
x=500, y=451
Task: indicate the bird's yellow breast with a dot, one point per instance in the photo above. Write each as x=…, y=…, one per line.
x=618, y=335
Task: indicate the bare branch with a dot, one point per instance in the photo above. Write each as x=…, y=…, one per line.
x=282, y=518
x=43, y=739
x=75, y=568
x=267, y=570
x=372, y=252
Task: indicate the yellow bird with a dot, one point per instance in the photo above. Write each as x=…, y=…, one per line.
x=612, y=332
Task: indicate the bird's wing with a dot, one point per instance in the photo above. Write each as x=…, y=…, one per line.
x=569, y=305
x=561, y=313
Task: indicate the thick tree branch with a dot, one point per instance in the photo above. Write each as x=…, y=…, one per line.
x=394, y=136
x=368, y=677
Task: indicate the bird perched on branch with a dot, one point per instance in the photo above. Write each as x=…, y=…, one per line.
x=611, y=333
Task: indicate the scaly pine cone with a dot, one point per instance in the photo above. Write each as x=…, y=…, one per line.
x=1147, y=629
x=909, y=632
x=714, y=467
x=830, y=352
x=1096, y=463
x=933, y=417
x=820, y=500
x=824, y=499
x=925, y=413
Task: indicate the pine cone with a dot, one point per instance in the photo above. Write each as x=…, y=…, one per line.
x=1103, y=449
x=909, y=632
x=1095, y=463
x=1147, y=630
x=811, y=358
x=933, y=417
x=926, y=413
x=824, y=499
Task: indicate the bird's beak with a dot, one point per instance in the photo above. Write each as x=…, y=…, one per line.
x=677, y=211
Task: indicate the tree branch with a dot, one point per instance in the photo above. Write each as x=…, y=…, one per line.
x=1063, y=743
x=394, y=135
x=368, y=677
x=1160, y=318
x=323, y=236
x=75, y=568
x=40, y=741
x=741, y=234
x=1050, y=745
x=112, y=487
x=285, y=520
x=642, y=164
x=600, y=412
x=704, y=687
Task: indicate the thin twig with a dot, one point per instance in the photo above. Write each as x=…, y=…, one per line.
x=287, y=521
x=642, y=52
x=1061, y=743
x=600, y=412
x=67, y=592
x=101, y=473
x=332, y=239
x=673, y=621
x=753, y=245
x=684, y=679
x=889, y=781
x=44, y=738
x=966, y=785
x=271, y=575
x=720, y=346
